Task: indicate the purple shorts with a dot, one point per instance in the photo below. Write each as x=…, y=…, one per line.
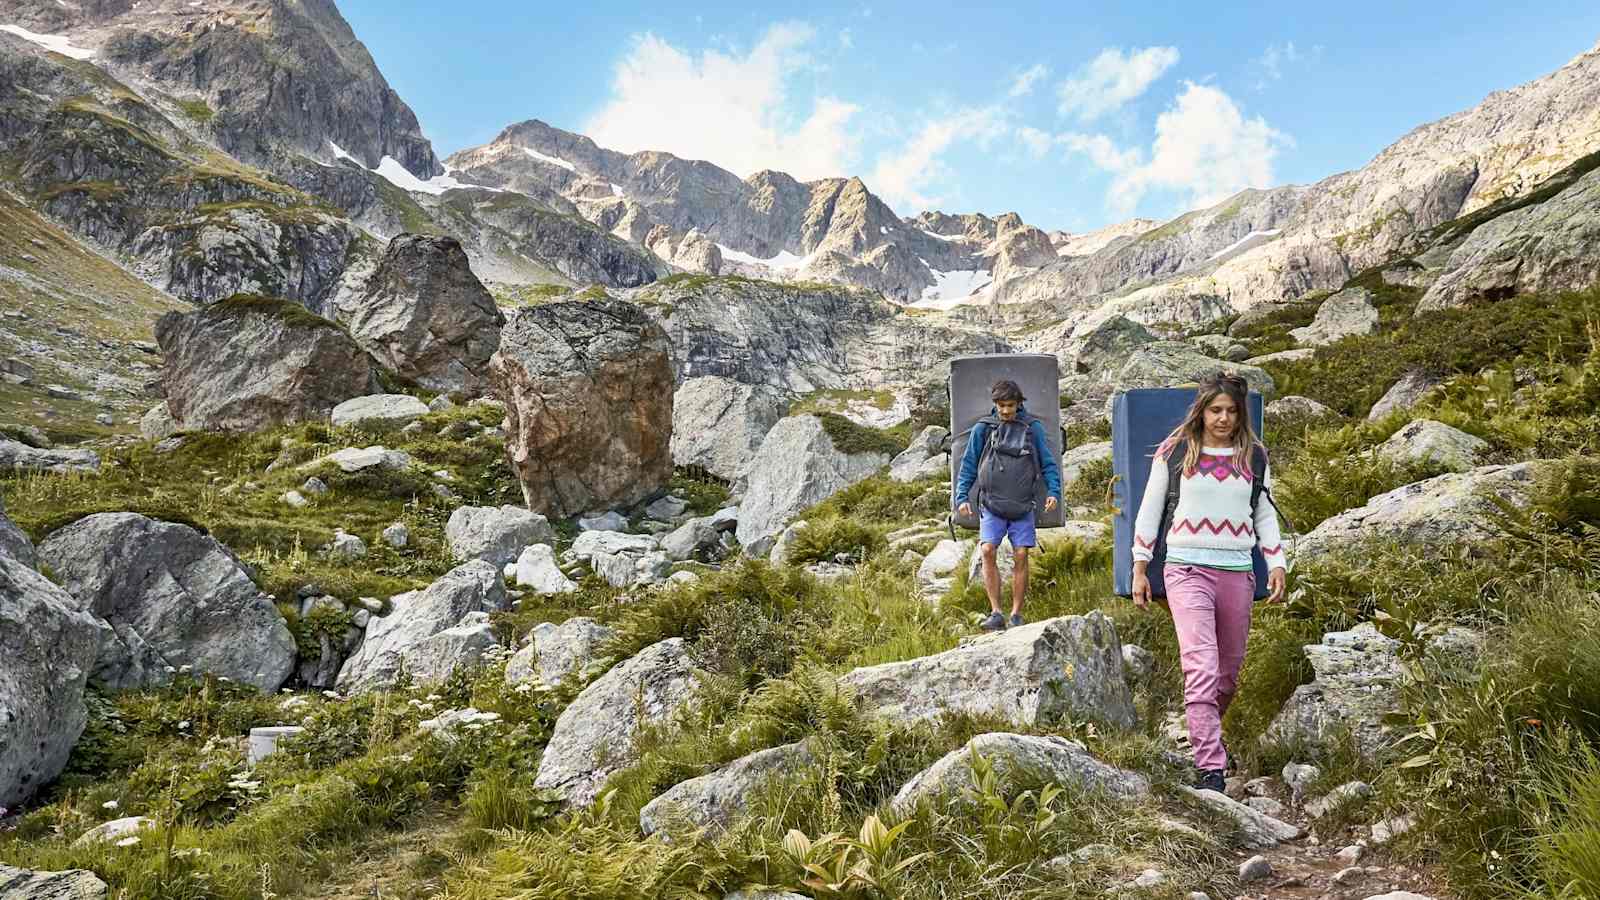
x=992, y=528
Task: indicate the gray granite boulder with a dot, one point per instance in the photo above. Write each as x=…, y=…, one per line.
x=425, y=316
x=718, y=423
x=48, y=644
x=378, y=409
x=1404, y=394
x=1016, y=758
x=797, y=467
x=536, y=570
x=937, y=571
x=29, y=884
x=461, y=646
x=174, y=597
x=590, y=543
x=1256, y=829
x=713, y=800
x=1173, y=363
x=594, y=737
x=248, y=363
x=1437, y=513
x=14, y=543
x=691, y=539
x=1031, y=675
x=415, y=617
x=1293, y=408
x=1424, y=440
x=157, y=423
x=924, y=458
x=1346, y=313
x=1108, y=345
x=495, y=534
x=1074, y=461
x=16, y=456
x=555, y=652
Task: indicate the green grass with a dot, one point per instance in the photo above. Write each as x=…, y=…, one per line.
x=850, y=438
x=198, y=110
x=256, y=304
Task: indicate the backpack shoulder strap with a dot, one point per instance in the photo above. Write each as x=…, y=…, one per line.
x=1258, y=471
x=1175, y=473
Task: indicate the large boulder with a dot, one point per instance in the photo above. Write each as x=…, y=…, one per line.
x=1450, y=510
x=248, y=363
x=588, y=393
x=1104, y=348
x=1016, y=759
x=401, y=638
x=379, y=409
x=1031, y=675
x=16, y=456
x=13, y=542
x=1074, y=461
x=718, y=423
x=47, y=649
x=425, y=316
x=1404, y=394
x=1359, y=678
x=1346, y=313
x=28, y=884
x=556, y=652
x=1173, y=363
x=495, y=534
x=461, y=646
x=594, y=737
x=925, y=457
x=157, y=423
x=711, y=801
x=1424, y=440
x=174, y=597
x=796, y=467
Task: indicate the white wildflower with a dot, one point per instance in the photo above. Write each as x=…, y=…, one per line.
x=109, y=804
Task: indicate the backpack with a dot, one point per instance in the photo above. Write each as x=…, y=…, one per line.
x=1009, y=469
x=1158, y=554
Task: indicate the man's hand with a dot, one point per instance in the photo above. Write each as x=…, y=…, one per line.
x=1275, y=586
x=965, y=509
x=1141, y=590
x=1049, y=504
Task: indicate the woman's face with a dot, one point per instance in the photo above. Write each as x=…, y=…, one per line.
x=1221, y=420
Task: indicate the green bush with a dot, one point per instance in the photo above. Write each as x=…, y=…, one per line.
x=1089, y=488
x=848, y=437
x=824, y=539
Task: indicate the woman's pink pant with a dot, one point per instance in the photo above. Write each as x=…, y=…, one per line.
x=1211, y=610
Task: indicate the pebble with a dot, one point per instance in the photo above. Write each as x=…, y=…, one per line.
x=1348, y=875
x=1149, y=878
x=314, y=485
x=1255, y=868
x=1351, y=854
x=294, y=499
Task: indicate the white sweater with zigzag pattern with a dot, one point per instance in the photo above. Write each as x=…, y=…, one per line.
x=1213, y=510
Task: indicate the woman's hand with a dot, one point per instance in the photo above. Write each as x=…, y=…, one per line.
x=1141, y=589
x=1275, y=586
x=965, y=509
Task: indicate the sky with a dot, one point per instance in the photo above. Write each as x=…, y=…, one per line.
x=1074, y=115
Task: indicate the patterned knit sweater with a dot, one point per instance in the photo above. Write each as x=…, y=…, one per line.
x=1213, y=515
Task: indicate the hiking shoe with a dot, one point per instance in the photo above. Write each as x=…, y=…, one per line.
x=1016, y=620
x=1212, y=780
x=995, y=622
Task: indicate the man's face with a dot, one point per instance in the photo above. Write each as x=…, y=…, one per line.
x=1007, y=409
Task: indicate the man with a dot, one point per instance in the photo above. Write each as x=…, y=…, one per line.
x=1005, y=456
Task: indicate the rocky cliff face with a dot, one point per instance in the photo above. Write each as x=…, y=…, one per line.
x=260, y=77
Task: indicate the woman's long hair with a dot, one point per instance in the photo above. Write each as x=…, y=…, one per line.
x=1191, y=432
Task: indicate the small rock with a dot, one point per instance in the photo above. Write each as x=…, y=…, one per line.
x=1150, y=878
x=1137, y=662
x=314, y=485
x=1299, y=776
x=666, y=508
x=1351, y=854
x=1387, y=830
x=441, y=403
x=397, y=535
x=113, y=830
x=62, y=392
x=1349, y=875
x=1266, y=805
x=1349, y=792
x=294, y=499
x=347, y=546
x=606, y=521
x=1255, y=868
x=1094, y=851
x=105, y=419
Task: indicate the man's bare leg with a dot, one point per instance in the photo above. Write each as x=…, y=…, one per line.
x=1019, y=580
x=991, y=575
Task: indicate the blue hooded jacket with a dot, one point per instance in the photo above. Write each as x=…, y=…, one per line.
x=1048, y=467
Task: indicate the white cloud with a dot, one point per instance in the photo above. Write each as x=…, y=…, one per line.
x=1024, y=82
x=903, y=176
x=1112, y=79
x=733, y=110
x=1036, y=142
x=1277, y=57
x=1205, y=150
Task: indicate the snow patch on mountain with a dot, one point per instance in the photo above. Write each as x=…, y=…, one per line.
x=1252, y=239
x=554, y=161
x=952, y=288
x=56, y=43
x=784, y=259
x=401, y=177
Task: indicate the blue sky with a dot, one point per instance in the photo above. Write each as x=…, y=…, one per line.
x=1073, y=114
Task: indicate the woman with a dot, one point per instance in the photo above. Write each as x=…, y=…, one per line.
x=1209, y=573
